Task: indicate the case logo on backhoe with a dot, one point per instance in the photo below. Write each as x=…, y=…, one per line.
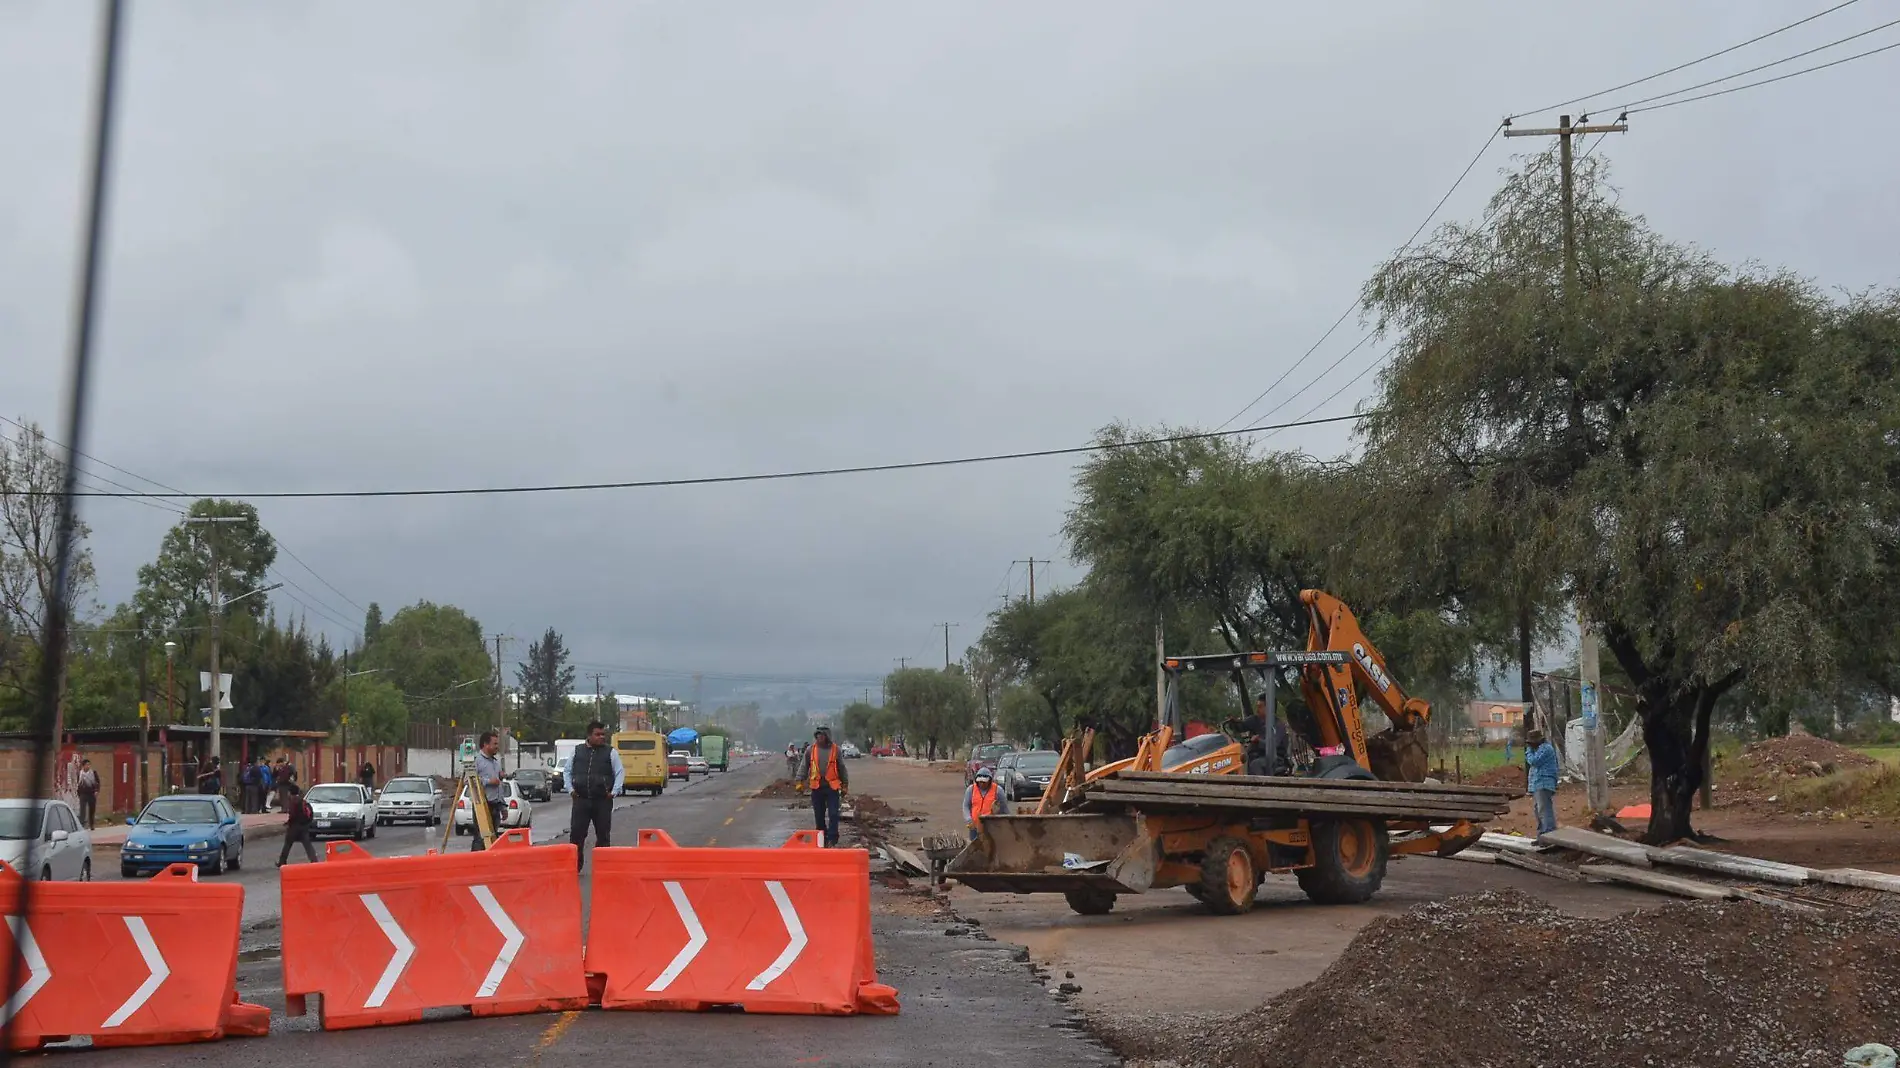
x=1207, y=767
x=1372, y=666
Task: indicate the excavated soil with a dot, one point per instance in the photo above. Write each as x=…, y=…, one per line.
x=1502, y=980
x=1502, y=775
x=781, y=788
x=1803, y=755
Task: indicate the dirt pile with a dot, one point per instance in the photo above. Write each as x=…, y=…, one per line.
x=781, y=788
x=1502, y=775
x=1501, y=979
x=1803, y=756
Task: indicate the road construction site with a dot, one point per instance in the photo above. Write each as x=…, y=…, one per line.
x=1469, y=959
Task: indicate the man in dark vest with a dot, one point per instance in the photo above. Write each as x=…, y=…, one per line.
x=594, y=774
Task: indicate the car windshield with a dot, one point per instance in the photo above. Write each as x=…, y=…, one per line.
x=1037, y=762
x=180, y=810
x=406, y=786
x=990, y=752
x=19, y=824
x=334, y=795
x=531, y=775
x=677, y=756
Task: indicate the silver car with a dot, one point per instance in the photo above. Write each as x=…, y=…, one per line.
x=43, y=840
x=410, y=799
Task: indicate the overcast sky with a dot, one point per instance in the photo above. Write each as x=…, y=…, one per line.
x=466, y=243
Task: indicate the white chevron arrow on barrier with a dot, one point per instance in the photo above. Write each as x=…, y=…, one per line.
x=793, y=927
x=157, y=971
x=511, y=936
x=398, y=940
x=695, y=939
x=37, y=973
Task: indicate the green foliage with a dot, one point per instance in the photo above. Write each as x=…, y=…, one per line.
x=174, y=588
x=372, y=623
x=378, y=713
x=1024, y=716
x=545, y=678
x=435, y=656
x=936, y=707
x=1702, y=458
x=31, y=477
x=858, y=723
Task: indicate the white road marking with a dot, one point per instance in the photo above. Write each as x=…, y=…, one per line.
x=793, y=948
x=512, y=938
x=695, y=939
x=157, y=972
x=399, y=960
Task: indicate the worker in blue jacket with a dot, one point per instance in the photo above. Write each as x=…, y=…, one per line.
x=1540, y=761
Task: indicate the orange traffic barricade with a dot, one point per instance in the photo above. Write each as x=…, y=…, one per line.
x=127, y=963
x=784, y=930
x=382, y=940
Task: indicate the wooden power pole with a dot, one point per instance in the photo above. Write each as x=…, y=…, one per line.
x=1032, y=562
x=946, y=643
x=1596, y=773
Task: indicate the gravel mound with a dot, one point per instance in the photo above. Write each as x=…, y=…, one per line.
x=1804, y=755
x=1501, y=980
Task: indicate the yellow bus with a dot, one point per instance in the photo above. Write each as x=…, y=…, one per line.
x=643, y=759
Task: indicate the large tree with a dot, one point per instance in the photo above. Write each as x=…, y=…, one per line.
x=174, y=588
x=435, y=655
x=32, y=477
x=545, y=678
x=936, y=707
x=1703, y=460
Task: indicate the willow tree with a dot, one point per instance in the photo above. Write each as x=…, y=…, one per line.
x=1702, y=460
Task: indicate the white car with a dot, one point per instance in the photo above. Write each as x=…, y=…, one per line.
x=849, y=751
x=516, y=811
x=696, y=765
x=409, y=798
x=342, y=808
x=43, y=840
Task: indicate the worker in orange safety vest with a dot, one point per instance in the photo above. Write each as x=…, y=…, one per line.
x=823, y=772
x=983, y=798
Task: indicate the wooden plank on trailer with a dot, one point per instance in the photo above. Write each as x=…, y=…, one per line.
x=1343, y=808
x=1598, y=845
x=1865, y=880
x=1300, y=794
x=1449, y=789
x=1764, y=871
x=1539, y=865
x=1650, y=879
x=1293, y=802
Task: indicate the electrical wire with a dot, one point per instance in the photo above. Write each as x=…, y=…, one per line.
x=720, y=480
x=1315, y=380
x=319, y=578
x=1768, y=81
x=45, y=723
x=1350, y=308
x=1369, y=368
x=1682, y=66
x=1759, y=67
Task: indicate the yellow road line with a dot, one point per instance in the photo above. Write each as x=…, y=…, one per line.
x=712, y=841
x=729, y=820
x=553, y=1034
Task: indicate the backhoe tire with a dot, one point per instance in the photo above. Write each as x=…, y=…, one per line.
x=1349, y=858
x=1228, y=878
x=1090, y=902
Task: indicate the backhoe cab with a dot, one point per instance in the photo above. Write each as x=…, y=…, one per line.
x=1215, y=813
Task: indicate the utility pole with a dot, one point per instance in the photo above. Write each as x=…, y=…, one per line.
x=501, y=703
x=597, y=677
x=902, y=662
x=1032, y=562
x=946, y=643
x=1596, y=777
x=145, y=713
x=217, y=627
x=1161, y=674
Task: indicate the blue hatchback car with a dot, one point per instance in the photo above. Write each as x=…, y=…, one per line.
x=199, y=829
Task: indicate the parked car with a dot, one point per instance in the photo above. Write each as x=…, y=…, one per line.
x=43, y=840
x=407, y=798
x=516, y=811
x=1029, y=773
x=537, y=784
x=848, y=751
x=342, y=809
x=697, y=765
x=183, y=829
x=982, y=756
x=679, y=765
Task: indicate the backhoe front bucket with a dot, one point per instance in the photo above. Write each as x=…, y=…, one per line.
x=1058, y=854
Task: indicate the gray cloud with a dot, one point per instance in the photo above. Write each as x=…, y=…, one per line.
x=462, y=243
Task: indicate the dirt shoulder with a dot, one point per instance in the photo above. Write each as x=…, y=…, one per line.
x=1167, y=941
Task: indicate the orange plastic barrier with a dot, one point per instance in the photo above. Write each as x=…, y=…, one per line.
x=382, y=940
x=783, y=930
x=127, y=963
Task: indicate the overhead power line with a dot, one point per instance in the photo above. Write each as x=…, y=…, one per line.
x=1760, y=67
x=1681, y=66
x=720, y=480
x=1768, y=81
x=1350, y=308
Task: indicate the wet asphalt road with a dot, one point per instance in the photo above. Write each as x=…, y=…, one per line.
x=960, y=995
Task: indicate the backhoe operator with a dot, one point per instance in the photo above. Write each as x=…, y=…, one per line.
x=1266, y=740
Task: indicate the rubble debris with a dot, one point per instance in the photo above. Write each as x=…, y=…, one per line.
x=1504, y=980
x=1803, y=756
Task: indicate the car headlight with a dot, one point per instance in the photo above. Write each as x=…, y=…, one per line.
x=200, y=845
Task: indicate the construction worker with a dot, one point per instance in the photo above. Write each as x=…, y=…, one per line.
x=825, y=775
x=488, y=770
x=983, y=798
x=594, y=775
x=1540, y=762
